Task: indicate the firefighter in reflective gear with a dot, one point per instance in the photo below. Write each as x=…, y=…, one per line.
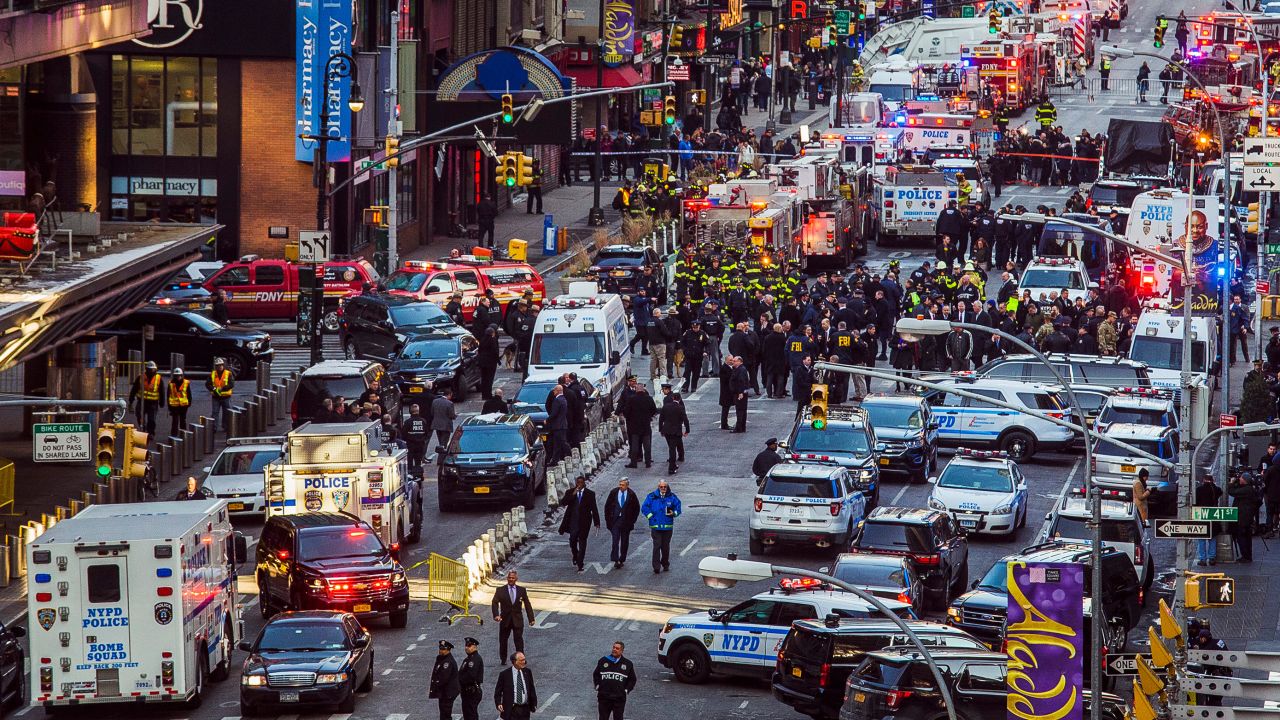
x=686, y=273
x=856, y=76
x=946, y=283
x=753, y=274
x=179, y=401
x=220, y=385
x=1001, y=120
x=964, y=188
x=1047, y=114
x=146, y=397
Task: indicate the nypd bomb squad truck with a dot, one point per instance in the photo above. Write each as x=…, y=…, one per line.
x=346, y=468
x=907, y=202
x=133, y=603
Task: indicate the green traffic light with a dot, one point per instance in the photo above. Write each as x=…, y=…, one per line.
x=670, y=120
x=104, y=470
x=511, y=181
x=506, y=117
x=819, y=424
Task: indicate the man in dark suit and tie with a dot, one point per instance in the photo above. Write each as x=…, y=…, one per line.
x=507, y=603
x=514, y=694
x=621, y=510
x=579, y=515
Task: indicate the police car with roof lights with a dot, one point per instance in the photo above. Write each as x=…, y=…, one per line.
x=1121, y=528
x=983, y=490
x=964, y=421
x=1143, y=406
x=846, y=439
x=1052, y=275
x=811, y=504
x=744, y=640
x=1117, y=467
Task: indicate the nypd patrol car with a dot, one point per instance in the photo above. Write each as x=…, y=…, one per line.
x=744, y=639
x=1053, y=275
x=808, y=503
x=983, y=490
x=967, y=422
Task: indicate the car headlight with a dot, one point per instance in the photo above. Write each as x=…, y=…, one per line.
x=953, y=613
x=915, y=442
x=936, y=504
x=1004, y=509
x=398, y=579
x=254, y=345
x=253, y=680
x=866, y=475
x=448, y=471
x=331, y=678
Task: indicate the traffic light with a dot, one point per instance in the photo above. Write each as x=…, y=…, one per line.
x=1162, y=25
x=818, y=406
x=106, y=451
x=508, y=109
x=1210, y=591
x=508, y=170
x=669, y=110
x=862, y=13
x=524, y=170
x=993, y=21
x=391, y=148
x=133, y=453
x=677, y=37
x=832, y=36
x=1255, y=217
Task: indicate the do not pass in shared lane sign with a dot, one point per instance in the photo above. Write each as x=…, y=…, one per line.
x=60, y=442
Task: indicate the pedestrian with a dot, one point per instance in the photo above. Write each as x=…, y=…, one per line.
x=579, y=515
x=146, y=397
x=638, y=410
x=694, y=344
x=495, y=404
x=740, y=383
x=218, y=310
x=221, y=384
x=471, y=679
x=488, y=355
x=514, y=694
x=1144, y=77
x=726, y=391
x=557, y=425
x=416, y=430
x=614, y=678
x=1240, y=325
x=1208, y=494
x=673, y=425
x=1104, y=71
x=621, y=510
x=443, y=413
x=1141, y=493
x=445, y=686
x=1166, y=82
x=766, y=459
x=1180, y=33
x=508, y=600
x=179, y=393
x=533, y=192
x=658, y=339
x=1245, y=497
x=194, y=490
x=486, y=213
x=802, y=384
x=1204, y=640
x=661, y=508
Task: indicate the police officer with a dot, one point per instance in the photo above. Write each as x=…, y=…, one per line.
x=471, y=679
x=416, y=432
x=614, y=678
x=221, y=384
x=534, y=191
x=444, y=680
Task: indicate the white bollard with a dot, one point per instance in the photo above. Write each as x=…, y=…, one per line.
x=472, y=559
x=518, y=529
x=553, y=500
x=486, y=554
x=589, y=453
x=499, y=535
x=506, y=523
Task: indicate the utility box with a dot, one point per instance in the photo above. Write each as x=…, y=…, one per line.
x=518, y=250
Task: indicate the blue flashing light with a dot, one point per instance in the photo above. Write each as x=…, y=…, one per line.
x=43, y=577
x=164, y=572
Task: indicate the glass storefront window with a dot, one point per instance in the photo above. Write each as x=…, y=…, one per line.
x=182, y=106
x=209, y=107
x=164, y=106
x=146, y=106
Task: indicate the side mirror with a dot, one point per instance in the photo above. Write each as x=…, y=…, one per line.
x=1022, y=486
x=440, y=449
x=361, y=641
x=18, y=631
x=615, y=358
x=241, y=547
x=193, y=331
x=973, y=585
x=824, y=570
x=1048, y=515
x=245, y=645
x=933, y=481
x=934, y=424
x=207, y=469
x=784, y=444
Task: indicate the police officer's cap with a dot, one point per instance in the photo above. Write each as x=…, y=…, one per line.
x=446, y=645
x=471, y=642
x=696, y=322
x=771, y=441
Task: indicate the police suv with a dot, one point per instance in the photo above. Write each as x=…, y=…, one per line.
x=983, y=490
x=1121, y=528
x=845, y=438
x=1053, y=275
x=1143, y=406
x=811, y=504
x=744, y=639
x=964, y=421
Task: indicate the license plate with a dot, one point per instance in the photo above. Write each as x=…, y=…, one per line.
x=1128, y=468
x=968, y=523
x=796, y=672
x=799, y=511
x=235, y=506
x=859, y=697
x=415, y=389
x=481, y=490
x=362, y=607
x=288, y=697
x=619, y=273
x=884, y=461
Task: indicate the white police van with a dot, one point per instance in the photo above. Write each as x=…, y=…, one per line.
x=811, y=504
x=965, y=422
x=983, y=490
x=585, y=332
x=744, y=640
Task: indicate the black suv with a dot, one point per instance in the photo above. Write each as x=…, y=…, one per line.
x=378, y=326
x=435, y=361
x=348, y=379
x=620, y=269
x=898, y=683
x=817, y=656
x=906, y=432
x=981, y=611
x=198, y=338
x=847, y=440
x=492, y=458
x=937, y=547
x=329, y=561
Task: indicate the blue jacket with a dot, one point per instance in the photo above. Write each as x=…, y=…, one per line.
x=1239, y=319
x=655, y=509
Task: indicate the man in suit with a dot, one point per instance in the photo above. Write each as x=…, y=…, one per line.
x=621, y=510
x=741, y=383
x=514, y=694
x=579, y=515
x=507, y=602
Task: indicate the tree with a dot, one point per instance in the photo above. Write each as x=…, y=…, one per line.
x=1256, y=401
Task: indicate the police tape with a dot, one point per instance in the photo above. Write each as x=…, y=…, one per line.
x=1046, y=155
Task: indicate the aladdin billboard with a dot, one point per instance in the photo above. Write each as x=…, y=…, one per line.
x=1044, y=641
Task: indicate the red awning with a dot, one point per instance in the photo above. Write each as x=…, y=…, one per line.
x=623, y=76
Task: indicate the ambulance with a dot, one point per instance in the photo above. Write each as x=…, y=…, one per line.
x=928, y=130
x=133, y=603
x=346, y=468
x=584, y=331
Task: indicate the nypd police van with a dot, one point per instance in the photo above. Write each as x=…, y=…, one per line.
x=973, y=423
x=808, y=504
x=585, y=332
x=744, y=639
x=133, y=603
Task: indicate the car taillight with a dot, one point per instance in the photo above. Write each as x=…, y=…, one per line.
x=1088, y=203
x=896, y=696
x=929, y=560
x=46, y=679
x=824, y=675
x=904, y=598
x=759, y=504
x=888, y=203
x=835, y=509
x=166, y=673
x=1137, y=554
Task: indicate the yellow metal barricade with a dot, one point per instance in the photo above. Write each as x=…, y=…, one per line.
x=449, y=582
x=6, y=487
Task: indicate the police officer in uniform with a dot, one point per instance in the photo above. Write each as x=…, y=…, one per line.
x=416, y=432
x=149, y=387
x=614, y=678
x=444, y=680
x=471, y=679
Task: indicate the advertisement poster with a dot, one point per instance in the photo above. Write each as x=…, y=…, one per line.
x=323, y=29
x=619, y=32
x=1045, y=641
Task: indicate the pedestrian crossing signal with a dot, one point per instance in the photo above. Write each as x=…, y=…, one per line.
x=508, y=109
x=1210, y=591
x=818, y=406
x=669, y=110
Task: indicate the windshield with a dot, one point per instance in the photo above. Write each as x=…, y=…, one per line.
x=243, y=462
x=406, y=281
x=534, y=394
x=1078, y=529
x=894, y=416
x=423, y=313
x=997, y=578
x=892, y=93
x=1070, y=241
x=1112, y=195
x=1113, y=414
x=205, y=324
x=1053, y=279
x=834, y=439
x=794, y=487
x=315, y=389
x=1106, y=447
x=1166, y=353
x=876, y=574
x=862, y=112
x=895, y=536
x=504, y=439
x=987, y=477
x=579, y=348
x=338, y=542
x=430, y=350
x=296, y=636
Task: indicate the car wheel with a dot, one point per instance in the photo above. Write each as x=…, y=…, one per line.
x=19, y=688
x=921, y=476
x=691, y=664
x=756, y=546
x=958, y=588
x=416, y=535
x=202, y=674
x=1022, y=521
x=349, y=349
x=348, y=704
x=941, y=598
x=237, y=364
x=1020, y=445
x=367, y=685
x=330, y=320
x=223, y=669
x=399, y=619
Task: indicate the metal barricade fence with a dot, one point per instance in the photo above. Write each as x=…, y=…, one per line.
x=448, y=581
x=6, y=486
x=1120, y=87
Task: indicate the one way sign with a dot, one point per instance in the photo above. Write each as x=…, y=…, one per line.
x=1124, y=663
x=1182, y=529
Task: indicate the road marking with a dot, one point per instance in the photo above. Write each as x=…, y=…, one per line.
x=688, y=547
x=549, y=701
x=422, y=637
x=340, y=716
x=386, y=672
x=23, y=711
x=398, y=716
x=743, y=706
x=411, y=648
x=1066, y=486
x=626, y=617
x=286, y=717
x=229, y=717
x=603, y=568
x=901, y=492
x=400, y=659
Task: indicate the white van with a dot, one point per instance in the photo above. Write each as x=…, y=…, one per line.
x=1157, y=341
x=584, y=332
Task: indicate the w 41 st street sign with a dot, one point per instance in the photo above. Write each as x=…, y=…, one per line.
x=1218, y=514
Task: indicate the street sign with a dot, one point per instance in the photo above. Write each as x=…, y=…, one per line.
x=842, y=18
x=60, y=442
x=1182, y=529
x=1261, y=151
x=1124, y=663
x=1225, y=420
x=678, y=72
x=966, y=11
x=1263, y=287
x=1262, y=178
x=1218, y=514
x=313, y=247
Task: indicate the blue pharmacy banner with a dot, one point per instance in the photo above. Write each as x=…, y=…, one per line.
x=323, y=29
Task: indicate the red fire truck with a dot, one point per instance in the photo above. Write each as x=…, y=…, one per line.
x=1008, y=69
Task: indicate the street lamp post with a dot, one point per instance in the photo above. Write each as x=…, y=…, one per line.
x=339, y=65
x=722, y=573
